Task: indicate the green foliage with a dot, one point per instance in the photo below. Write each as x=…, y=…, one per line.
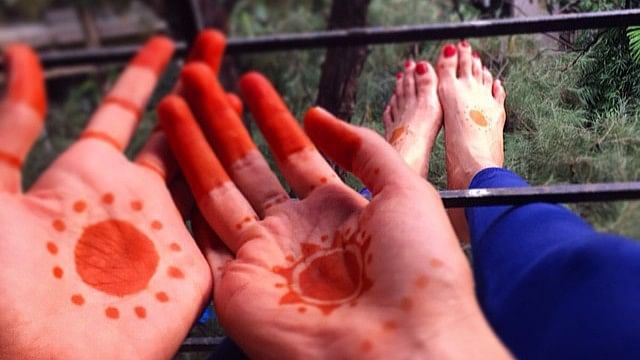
x=633, y=33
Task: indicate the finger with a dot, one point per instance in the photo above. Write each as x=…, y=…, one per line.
x=22, y=112
x=229, y=138
x=208, y=48
x=222, y=204
x=301, y=164
x=156, y=156
x=213, y=249
x=360, y=151
x=235, y=103
x=117, y=118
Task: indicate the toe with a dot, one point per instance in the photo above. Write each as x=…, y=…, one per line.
x=409, y=82
x=448, y=62
x=399, y=91
x=393, y=104
x=464, y=59
x=498, y=92
x=476, y=66
x=386, y=119
x=487, y=78
x=425, y=80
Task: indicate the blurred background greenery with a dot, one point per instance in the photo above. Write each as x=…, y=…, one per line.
x=573, y=98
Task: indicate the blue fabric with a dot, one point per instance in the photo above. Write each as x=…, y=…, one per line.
x=551, y=286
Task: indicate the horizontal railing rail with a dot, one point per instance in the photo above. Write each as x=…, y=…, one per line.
x=369, y=36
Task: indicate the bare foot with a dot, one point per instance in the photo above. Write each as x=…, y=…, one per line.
x=413, y=117
x=473, y=121
x=474, y=114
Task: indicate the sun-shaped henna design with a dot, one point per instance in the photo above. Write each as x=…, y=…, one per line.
x=112, y=255
x=328, y=277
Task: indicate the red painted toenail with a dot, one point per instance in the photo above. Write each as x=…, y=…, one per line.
x=475, y=54
x=464, y=43
x=449, y=50
x=399, y=75
x=421, y=68
x=407, y=64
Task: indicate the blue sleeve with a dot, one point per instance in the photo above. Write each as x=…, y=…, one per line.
x=550, y=285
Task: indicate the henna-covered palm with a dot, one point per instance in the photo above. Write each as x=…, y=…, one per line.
x=95, y=259
x=330, y=275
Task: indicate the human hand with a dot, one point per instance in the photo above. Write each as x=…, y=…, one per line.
x=331, y=275
x=96, y=259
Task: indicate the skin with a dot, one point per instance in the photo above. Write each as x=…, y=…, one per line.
x=330, y=275
x=413, y=117
x=96, y=245
x=474, y=117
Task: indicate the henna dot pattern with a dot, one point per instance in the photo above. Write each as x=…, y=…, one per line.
x=113, y=256
x=328, y=277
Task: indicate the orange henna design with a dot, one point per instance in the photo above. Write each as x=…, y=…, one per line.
x=108, y=198
x=175, y=247
x=277, y=124
x=152, y=166
x=79, y=206
x=25, y=83
x=397, y=134
x=208, y=101
x=327, y=278
x=198, y=163
x=112, y=312
x=332, y=136
x=422, y=281
x=59, y=225
x=436, y=263
x=140, y=312
x=156, y=225
x=114, y=257
x=57, y=272
x=52, y=248
x=11, y=160
x=175, y=273
x=209, y=48
x=125, y=104
x=155, y=55
x=102, y=136
x=389, y=325
x=162, y=296
x=366, y=346
x=478, y=118
x=136, y=205
x=77, y=299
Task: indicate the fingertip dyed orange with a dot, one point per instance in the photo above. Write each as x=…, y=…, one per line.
x=221, y=123
x=277, y=124
x=25, y=83
x=155, y=55
x=334, y=137
x=209, y=48
x=199, y=164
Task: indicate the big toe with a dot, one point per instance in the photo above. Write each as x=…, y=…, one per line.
x=447, y=66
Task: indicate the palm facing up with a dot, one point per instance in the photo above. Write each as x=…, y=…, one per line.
x=95, y=256
x=330, y=274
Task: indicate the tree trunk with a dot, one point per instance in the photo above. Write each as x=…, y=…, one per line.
x=342, y=65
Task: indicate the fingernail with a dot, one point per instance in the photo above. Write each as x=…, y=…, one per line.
x=449, y=50
x=464, y=43
x=399, y=76
x=407, y=64
x=475, y=54
x=421, y=68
